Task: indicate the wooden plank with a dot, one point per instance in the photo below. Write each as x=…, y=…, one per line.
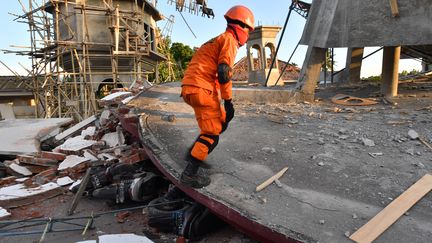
x=271, y=179
x=79, y=193
x=394, y=8
x=424, y=142
x=384, y=219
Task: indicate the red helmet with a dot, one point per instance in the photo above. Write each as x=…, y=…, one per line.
x=242, y=14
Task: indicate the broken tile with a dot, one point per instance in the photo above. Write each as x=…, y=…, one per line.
x=104, y=117
x=22, y=179
x=130, y=238
x=64, y=181
x=4, y=213
x=71, y=161
x=19, y=191
x=127, y=100
x=90, y=155
x=76, y=144
x=21, y=170
x=111, y=139
x=89, y=131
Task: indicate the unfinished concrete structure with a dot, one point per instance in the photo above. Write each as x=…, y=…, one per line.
x=262, y=40
x=82, y=48
x=358, y=24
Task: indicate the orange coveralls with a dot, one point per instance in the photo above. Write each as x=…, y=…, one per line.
x=200, y=89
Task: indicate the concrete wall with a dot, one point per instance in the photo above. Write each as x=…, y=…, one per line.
x=360, y=23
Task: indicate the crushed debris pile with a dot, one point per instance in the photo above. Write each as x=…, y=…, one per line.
x=101, y=157
x=107, y=143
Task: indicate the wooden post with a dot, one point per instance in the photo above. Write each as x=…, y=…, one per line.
x=117, y=30
x=390, y=69
x=394, y=8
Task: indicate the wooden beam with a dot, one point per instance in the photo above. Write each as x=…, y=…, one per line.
x=394, y=8
x=271, y=179
x=384, y=219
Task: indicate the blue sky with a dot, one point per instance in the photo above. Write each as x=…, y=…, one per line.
x=204, y=28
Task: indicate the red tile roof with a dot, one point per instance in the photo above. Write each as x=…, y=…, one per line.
x=240, y=70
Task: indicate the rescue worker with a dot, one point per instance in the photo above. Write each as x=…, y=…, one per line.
x=208, y=79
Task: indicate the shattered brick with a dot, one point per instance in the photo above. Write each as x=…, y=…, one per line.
x=136, y=157
x=78, y=169
x=121, y=217
x=51, y=155
x=7, y=180
x=45, y=176
x=26, y=159
x=35, y=169
x=129, y=123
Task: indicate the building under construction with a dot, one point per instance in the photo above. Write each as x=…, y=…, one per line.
x=80, y=49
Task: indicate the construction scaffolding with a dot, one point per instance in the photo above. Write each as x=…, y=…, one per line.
x=80, y=49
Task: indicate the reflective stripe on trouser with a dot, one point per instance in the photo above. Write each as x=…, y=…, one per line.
x=204, y=145
x=209, y=114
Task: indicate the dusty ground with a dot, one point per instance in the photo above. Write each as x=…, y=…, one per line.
x=345, y=163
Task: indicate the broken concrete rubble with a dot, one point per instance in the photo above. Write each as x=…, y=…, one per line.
x=21, y=170
x=71, y=161
x=4, y=213
x=22, y=136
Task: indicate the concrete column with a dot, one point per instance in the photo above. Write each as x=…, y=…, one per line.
x=390, y=71
x=310, y=72
x=353, y=64
x=263, y=58
x=249, y=58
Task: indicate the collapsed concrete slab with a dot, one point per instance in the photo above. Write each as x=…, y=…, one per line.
x=352, y=23
x=326, y=183
x=21, y=136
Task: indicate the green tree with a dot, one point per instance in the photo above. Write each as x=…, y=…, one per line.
x=328, y=62
x=182, y=54
x=413, y=72
x=403, y=73
x=178, y=57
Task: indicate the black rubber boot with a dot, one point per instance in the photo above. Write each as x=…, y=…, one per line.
x=200, y=163
x=190, y=176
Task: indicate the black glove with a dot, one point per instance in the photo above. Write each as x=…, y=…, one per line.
x=229, y=109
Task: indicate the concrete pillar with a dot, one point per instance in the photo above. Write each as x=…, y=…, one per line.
x=353, y=64
x=390, y=71
x=310, y=72
x=249, y=58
